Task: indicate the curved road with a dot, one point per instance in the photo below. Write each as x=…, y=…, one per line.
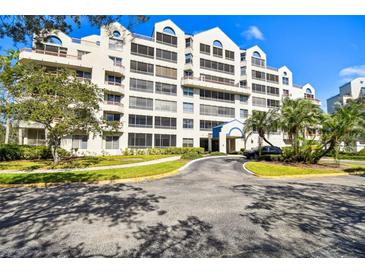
x=211, y=209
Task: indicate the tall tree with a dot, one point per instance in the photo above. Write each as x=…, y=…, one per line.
x=8, y=66
x=263, y=123
x=297, y=116
x=21, y=28
x=57, y=100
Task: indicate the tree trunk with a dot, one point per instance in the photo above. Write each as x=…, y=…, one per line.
x=7, y=130
x=54, y=145
x=263, y=137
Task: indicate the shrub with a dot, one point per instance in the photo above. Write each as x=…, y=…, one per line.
x=191, y=155
x=163, y=151
x=270, y=158
x=25, y=152
x=242, y=150
x=217, y=153
x=362, y=152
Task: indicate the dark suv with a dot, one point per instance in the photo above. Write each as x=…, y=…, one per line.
x=265, y=150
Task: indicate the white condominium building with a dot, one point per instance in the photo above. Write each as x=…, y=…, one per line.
x=348, y=92
x=167, y=89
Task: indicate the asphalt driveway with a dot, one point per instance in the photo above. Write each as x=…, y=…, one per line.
x=211, y=209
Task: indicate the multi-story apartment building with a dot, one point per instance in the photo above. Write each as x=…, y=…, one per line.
x=350, y=91
x=169, y=89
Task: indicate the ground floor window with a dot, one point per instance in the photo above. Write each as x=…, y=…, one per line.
x=139, y=140
x=36, y=136
x=188, y=142
x=111, y=142
x=79, y=141
x=165, y=140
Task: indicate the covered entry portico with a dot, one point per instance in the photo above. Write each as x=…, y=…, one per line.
x=230, y=136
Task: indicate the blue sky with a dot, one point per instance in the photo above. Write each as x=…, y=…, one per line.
x=323, y=50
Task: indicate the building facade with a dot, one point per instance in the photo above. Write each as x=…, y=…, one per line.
x=350, y=91
x=169, y=89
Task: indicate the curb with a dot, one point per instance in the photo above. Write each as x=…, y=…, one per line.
x=205, y=158
x=248, y=171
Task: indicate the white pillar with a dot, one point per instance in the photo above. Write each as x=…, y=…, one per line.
x=222, y=142
x=209, y=142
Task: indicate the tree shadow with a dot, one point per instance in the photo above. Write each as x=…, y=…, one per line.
x=30, y=215
x=329, y=218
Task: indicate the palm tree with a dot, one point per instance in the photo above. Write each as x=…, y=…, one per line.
x=347, y=123
x=296, y=117
x=263, y=123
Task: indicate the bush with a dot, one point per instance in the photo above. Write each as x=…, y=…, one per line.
x=270, y=158
x=163, y=151
x=191, y=155
x=362, y=152
x=25, y=152
x=242, y=150
x=216, y=153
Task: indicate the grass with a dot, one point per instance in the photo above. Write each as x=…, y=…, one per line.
x=88, y=161
x=91, y=176
x=268, y=169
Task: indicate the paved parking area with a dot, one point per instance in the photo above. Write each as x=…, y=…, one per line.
x=211, y=209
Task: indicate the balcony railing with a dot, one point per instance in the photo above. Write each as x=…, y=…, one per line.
x=85, y=42
x=144, y=37
x=52, y=53
x=203, y=79
x=114, y=84
x=113, y=103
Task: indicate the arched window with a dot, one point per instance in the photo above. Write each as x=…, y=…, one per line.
x=285, y=73
x=53, y=40
x=217, y=44
x=308, y=91
x=116, y=34
x=169, y=30
x=256, y=54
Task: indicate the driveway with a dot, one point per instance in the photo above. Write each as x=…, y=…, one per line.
x=211, y=209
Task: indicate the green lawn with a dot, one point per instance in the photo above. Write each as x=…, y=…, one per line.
x=268, y=169
x=81, y=162
x=91, y=176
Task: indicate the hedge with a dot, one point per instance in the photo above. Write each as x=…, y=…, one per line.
x=9, y=152
x=163, y=151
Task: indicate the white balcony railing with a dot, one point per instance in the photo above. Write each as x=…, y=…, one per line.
x=52, y=53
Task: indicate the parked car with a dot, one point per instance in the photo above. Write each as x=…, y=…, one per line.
x=265, y=150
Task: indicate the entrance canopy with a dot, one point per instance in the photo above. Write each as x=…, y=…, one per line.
x=227, y=133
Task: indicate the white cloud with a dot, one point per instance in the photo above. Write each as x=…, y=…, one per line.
x=353, y=71
x=253, y=32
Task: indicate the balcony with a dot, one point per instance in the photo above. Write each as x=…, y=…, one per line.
x=113, y=86
x=113, y=106
x=204, y=83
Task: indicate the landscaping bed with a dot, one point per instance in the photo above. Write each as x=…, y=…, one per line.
x=91, y=176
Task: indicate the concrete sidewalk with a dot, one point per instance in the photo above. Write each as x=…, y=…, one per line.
x=158, y=161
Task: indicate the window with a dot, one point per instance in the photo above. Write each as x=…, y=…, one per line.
x=79, y=141
x=216, y=111
x=285, y=92
x=116, y=61
x=112, y=99
x=36, y=136
x=243, y=70
x=188, y=123
x=258, y=62
x=165, y=122
x=169, y=30
x=243, y=56
x=272, y=91
x=216, y=66
x=140, y=103
x=140, y=85
x=258, y=102
x=204, y=48
x=115, y=44
x=229, y=55
x=165, y=140
x=139, y=140
x=259, y=75
x=166, y=39
x=217, y=52
x=83, y=75
x=140, y=121
x=166, y=72
x=142, y=50
x=272, y=78
x=208, y=125
x=163, y=105
x=243, y=83
x=273, y=103
x=188, y=73
x=167, y=89
x=285, y=80
x=116, y=34
x=166, y=55
x=188, y=58
x=256, y=88
x=140, y=67
x=113, y=80
x=216, y=96
x=188, y=42
x=188, y=91
x=188, y=107
x=217, y=79
x=81, y=53
x=111, y=142
x=188, y=142
x=243, y=113
x=308, y=91
x=111, y=117
x=53, y=40
x=244, y=99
